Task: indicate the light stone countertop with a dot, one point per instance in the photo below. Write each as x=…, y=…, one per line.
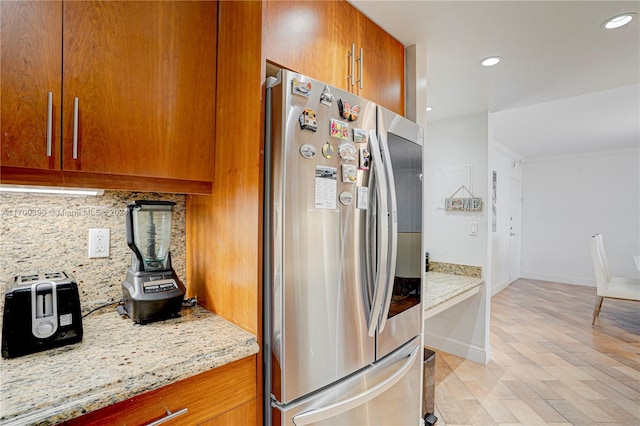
x=440, y=288
x=116, y=360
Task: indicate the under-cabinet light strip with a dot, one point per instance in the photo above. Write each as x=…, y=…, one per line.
x=50, y=190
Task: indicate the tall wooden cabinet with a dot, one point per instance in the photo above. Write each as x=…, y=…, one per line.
x=132, y=87
x=224, y=229
x=335, y=43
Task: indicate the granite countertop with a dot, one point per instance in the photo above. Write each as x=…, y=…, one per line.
x=440, y=288
x=116, y=360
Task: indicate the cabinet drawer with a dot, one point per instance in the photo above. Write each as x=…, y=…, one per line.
x=205, y=396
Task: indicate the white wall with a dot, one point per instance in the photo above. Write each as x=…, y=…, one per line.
x=568, y=199
x=450, y=143
x=463, y=329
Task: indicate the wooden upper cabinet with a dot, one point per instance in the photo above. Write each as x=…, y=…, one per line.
x=143, y=74
x=30, y=69
x=302, y=36
x=317, y=38
x=381, y=67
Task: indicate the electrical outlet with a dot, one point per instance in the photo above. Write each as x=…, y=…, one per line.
x=98, y=243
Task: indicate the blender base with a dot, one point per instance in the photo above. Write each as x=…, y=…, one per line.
x=152, y=296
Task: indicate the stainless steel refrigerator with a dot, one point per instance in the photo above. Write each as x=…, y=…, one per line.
x=342, y=259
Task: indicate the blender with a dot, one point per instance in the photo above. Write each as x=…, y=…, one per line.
x=151, y=290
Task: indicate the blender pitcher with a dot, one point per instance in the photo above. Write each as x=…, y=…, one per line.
x=151, y=290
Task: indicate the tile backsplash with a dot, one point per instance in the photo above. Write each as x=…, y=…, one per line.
x=48, y=233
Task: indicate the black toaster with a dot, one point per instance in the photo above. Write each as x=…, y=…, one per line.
x=41, y=311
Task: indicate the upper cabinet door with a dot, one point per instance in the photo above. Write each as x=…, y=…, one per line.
x=139, y=85
x=303, y=36
x=324, y=40
x=381, y=67
x=30, y=69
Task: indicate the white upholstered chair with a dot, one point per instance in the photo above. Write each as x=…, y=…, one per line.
x=608, y=286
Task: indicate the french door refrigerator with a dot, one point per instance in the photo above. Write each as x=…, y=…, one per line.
x=342, y=259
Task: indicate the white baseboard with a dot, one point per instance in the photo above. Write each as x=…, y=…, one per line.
x=559, y=279
x=499, y=287
x=461, y=349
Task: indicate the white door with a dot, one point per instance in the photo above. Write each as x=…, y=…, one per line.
x=515, y=228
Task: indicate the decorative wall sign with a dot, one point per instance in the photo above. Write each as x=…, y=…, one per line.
x=472, y=204
x=301, y=88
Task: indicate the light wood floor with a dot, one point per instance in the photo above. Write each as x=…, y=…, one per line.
x=549, y=366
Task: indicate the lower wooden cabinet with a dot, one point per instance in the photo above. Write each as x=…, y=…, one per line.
x=219, y=397
x=245, y=415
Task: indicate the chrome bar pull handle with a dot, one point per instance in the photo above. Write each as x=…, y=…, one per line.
x=169, y=415
x=353, y=63
x=317, y=415
x=393, y=229
x=361, y=67
x=382, y=241
x=349, y=67
x=359, y=59
x=75, y=128
x=49, y=122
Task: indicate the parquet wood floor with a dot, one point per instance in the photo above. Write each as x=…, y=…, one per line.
x=549, y=366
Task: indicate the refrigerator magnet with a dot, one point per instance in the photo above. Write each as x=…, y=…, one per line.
x=362, y=198
x=326, y=187
x=339, y=129
x=308, y=151
x=360, y=135
x=328, y=151
x=349, y=173
x=347, y=111
x=326, y=98
x=345, y=198
x=301, y=88
x=347, y=152
x=365, y=159
x=308, y=120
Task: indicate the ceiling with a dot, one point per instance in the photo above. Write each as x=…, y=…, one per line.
x=565, y=85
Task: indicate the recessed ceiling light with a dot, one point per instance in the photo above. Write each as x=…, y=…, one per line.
x=618, y=21
x=429, y=108
x=491, y=61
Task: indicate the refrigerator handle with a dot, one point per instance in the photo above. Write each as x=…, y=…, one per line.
x=393, y=231
x=340, y=407
x=380, y=281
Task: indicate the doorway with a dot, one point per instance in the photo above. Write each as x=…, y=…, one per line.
x=515, y=228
